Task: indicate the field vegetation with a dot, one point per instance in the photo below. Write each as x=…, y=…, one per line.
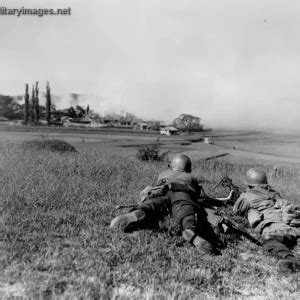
x=56, y=208
x=53, y=145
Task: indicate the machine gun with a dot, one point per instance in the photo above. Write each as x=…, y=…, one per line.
x=203, y=197
x=227, y=183
x=161, y=190
x=219, y=218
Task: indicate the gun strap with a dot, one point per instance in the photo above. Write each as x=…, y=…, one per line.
x=180, y=187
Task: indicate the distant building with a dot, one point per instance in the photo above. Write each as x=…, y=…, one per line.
x=65, y=118
x=15, y=123
x=97, y=125
x=60, y=113
x=69, y=123
x=168, y=130
x=109, y=120
x=3, y=119
x=207, y=140
x=142, y=126
x=85, y=120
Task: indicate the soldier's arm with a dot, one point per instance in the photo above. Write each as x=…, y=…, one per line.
x=242, y=205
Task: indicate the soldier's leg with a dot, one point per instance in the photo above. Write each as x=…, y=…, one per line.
x=206, y=230
x=276, y=248
x=191, y=234
x=122, y=222
x=278, y=239
x=146, y=215
x=273, y=241
x=185, y=216
x=296, y=249
x=155, y=210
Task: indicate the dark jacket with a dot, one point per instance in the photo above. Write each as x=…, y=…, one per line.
x=181, y=183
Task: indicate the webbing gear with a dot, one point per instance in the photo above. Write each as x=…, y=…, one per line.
x=161, y=190
x=152, y=192
x=180, y=187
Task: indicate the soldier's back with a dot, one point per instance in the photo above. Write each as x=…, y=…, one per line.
x=177, y=177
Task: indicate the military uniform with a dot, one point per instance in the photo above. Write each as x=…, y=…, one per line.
x=183, y=193
x=181, y=200
x=155, y=209
x=176, y=192
x=273, y=218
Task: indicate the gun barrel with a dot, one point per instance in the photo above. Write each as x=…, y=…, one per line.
x=125, y=206
x=240, y=230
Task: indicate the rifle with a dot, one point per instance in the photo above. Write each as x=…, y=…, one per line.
x=126, y=206
x=237, y=228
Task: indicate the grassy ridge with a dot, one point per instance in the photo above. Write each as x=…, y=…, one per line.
x=56, y=208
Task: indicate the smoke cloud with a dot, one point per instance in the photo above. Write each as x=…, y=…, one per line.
x=233, y=63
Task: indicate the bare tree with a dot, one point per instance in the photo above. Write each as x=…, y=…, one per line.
x=26, y=99
x=48, y=103
x=36, y=104
x=32, y=105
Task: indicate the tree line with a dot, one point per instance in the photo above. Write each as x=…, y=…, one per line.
x=31, y=112
x=32, y=108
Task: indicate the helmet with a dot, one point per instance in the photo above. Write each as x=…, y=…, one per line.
x=181, y=163
x=256, y=177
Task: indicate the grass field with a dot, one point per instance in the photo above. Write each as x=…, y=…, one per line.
x=56, y=208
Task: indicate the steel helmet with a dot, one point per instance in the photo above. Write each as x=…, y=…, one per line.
x=255, y=177
x=181, y=163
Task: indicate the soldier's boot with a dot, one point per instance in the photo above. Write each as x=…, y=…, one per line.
x=296, y=249
x=288, y=265
x=200, y=243
x=123, y=222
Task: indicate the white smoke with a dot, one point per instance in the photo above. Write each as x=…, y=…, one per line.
x=97, y=104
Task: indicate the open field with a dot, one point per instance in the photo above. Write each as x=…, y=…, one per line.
x=56, y=209
x=251, y=147
x=276, y=144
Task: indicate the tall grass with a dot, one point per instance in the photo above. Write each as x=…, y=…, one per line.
x=54, y=145
x=56, y=211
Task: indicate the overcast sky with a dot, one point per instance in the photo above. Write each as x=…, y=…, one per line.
x=231, y=62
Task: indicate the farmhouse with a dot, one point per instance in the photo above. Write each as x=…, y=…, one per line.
x=85, y=120
x=60, y=113
x=142, y=126
x=3, y=119
x=15, y=123
x=97, y=125
x=207, y=140
x=168, y=130
x=69, y=123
